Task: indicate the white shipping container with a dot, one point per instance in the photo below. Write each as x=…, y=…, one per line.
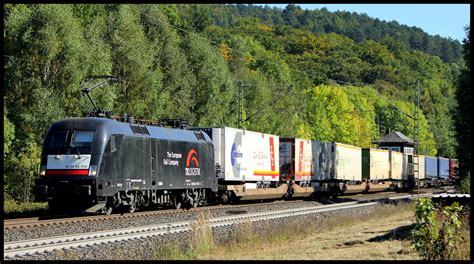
x=246, y=155
x=348, y=162
x=405, y=168
x=303, y=159
x=420, y=167
x=396, y=166
x=379, y=164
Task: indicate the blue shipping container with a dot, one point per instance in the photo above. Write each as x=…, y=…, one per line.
x=443, y=168
x=431, y=167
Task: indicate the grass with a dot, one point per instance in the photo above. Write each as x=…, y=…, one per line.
x=463, y=251
x=13, y=209
x=269, y=239
x=201, y=242
x=275, y=241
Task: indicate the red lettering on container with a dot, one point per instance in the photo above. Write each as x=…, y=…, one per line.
x=300, y=166
x=272, y=155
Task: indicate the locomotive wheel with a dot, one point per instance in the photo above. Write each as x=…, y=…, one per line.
x=107, y=210
x=194, y=203
x=176, y=202
x=225, y=198
x=54, y=206
x=131, y=208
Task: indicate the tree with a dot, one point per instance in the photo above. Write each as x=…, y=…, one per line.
x=213, y=92
x=175, y=93
x=330, y=115
x=133, y=61
x=8, y=133
x=463, y=111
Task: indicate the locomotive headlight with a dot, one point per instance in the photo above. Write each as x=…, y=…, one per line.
x=93, y=171
x=43, y=170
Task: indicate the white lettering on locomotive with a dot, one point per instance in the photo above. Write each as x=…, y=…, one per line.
x=193, y=171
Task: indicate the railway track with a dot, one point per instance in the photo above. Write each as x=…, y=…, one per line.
x=17, y=249
x=35, y=246
x=38, y=222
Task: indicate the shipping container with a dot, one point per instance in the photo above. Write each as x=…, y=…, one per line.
x=245, y=156
x=420, y=167
x=431, y=167
x=407, y=162
x=443, y=168
x=375, y=164
x=323, y=161
x=397, y=166
x=453, y=168
x=336, y=161
x=295, y=159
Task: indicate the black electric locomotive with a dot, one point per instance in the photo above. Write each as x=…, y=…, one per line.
x=100, y=164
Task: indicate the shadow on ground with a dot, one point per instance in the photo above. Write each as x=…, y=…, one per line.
x=399, y=233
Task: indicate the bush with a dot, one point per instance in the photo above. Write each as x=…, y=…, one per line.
x=436, y=235
x=464, y=185
x=12, y=208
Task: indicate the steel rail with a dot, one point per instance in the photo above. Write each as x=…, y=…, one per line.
x=30, y=247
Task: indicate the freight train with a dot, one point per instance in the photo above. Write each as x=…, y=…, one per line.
x=104, y=164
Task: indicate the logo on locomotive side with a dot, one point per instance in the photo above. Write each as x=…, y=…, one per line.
x=192, y=159
x=235, y=153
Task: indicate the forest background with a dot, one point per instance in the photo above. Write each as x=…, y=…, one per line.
x=303, y=73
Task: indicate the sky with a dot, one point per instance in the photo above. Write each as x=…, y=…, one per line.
x=446, y=20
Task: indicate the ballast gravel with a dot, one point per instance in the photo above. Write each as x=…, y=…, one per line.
x=147, y=249
x=25, y=233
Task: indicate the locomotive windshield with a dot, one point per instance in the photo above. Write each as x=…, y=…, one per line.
x=71, y=142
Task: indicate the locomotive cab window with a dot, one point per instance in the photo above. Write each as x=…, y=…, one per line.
x=58, y=143
x=82, y=141
x=71, y=142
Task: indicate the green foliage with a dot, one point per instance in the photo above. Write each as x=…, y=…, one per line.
x=213, y=91
x=8, y=133
x=463, y=121
x=20, y=172
x=175, y=94
x=359, y=27
x=13, y=209
x=436, y=232
x=464, y=184
x=133, y=61
x=331, y=115
x=189, y=61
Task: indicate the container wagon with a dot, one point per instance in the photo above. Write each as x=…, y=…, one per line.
x=431, y=171
x=398, y=172
x=296, y=161
x=443, y=170
x=453, y=169
x=247, y=164
x=420, y=171
x=376, y=169
x=337, y=167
